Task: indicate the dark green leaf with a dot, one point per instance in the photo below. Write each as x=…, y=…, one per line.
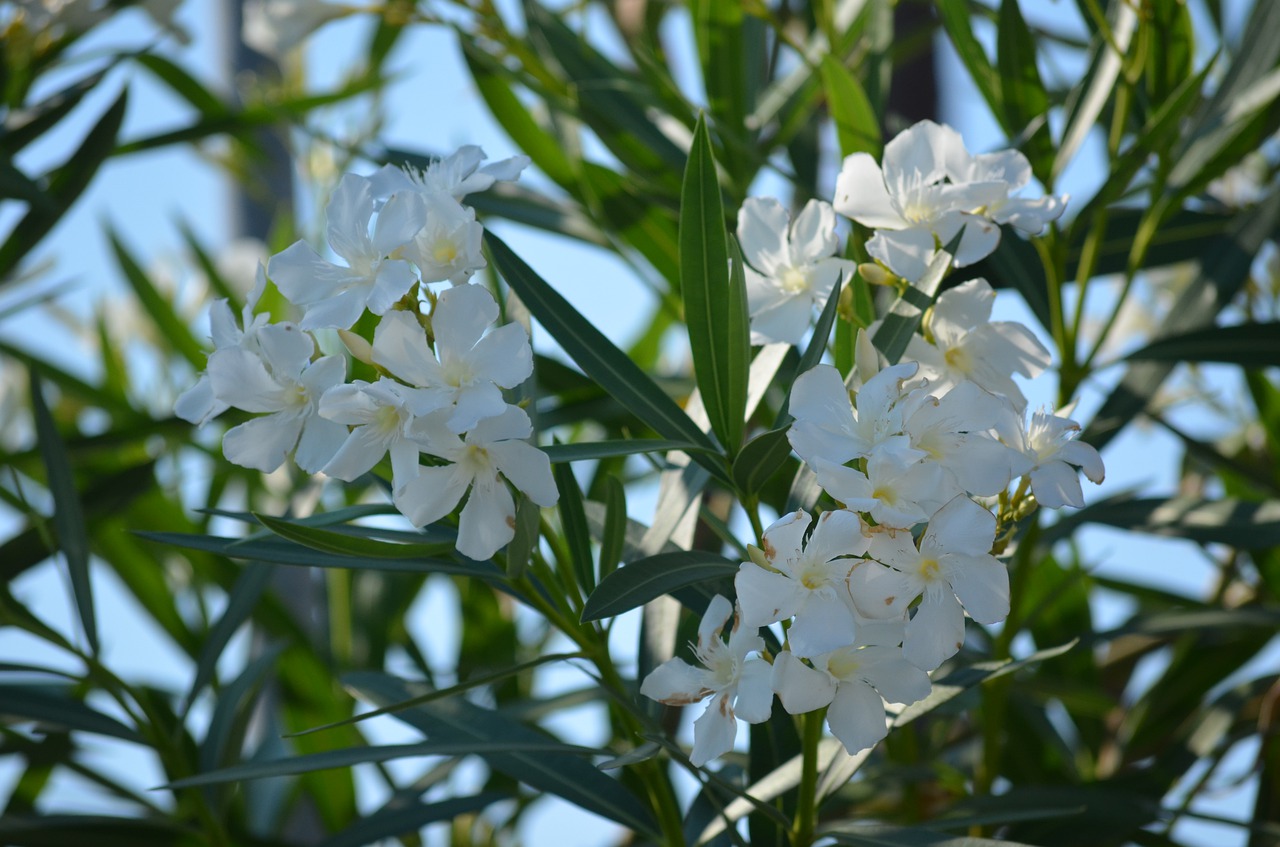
x=98, y=830
x=566, y=776
x=183, y=84
x=574, y=524
x=342, y=544
x=68, y=515
x=875, y=835
x=1237, y=523
x=66, y=183
x=241, y=601
x=525, y=539
x=1250, y=345
x=908, y=310
x=396, y=819
x=645, y=579
x=714, y=298
x=379, y=753
x=955, y=20
x=1026, y=105
x=614, y=535
x=583, y=451
x=218, y=743
x=760, y=458
x=171, y=327
x=598, y=357
x=52, y=706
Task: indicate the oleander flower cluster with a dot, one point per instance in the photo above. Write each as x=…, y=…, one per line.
x=925, y=461
x=439, y=370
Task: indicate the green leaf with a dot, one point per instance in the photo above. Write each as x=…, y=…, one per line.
x=51, y=706
x=760, y=458
x=171, y=327
x=598, y=357
x=573, y=521
x=1237, y=523
x=965, y=678
x=347, y=757
x=183, y=84
x=217, y=742
x=955, y=20
x=23, y=126
x=857, y=126
x=1223, y=270
x=584, y=451
x=68, y=515
x=719, y=30
x=566, y=776
x=395, y=819
x=98, y=830
x=714, y=298
x=1250, y=345
x=525, y=540
x=342, y=544
x=613, y=537
x=288, y=553
x=1026, y=105
x=908, y=310
x=66, y=183
x=646, y=579
x=877, y=835
x=241, y=601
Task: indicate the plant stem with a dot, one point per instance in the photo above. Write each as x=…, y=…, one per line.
x=807, y=800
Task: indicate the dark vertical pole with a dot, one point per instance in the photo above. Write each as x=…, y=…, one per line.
x=913, y=90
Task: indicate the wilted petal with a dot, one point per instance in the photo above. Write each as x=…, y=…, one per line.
x=676, y=683
x=713, y=733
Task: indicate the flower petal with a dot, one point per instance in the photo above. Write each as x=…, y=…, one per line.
x=861, y=194
x=461, y=316
x=714, y=732
x=755, y=691
x=488, y=520
x=800, y=687
x=527, y=468
x=262, y=443
x=936, y=633
x=856, y=716
x=434, y=493
x=981, y=583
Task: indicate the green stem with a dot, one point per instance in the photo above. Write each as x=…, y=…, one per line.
x=807, y=800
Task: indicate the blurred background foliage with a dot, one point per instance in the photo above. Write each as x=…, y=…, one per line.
x=1164, y=270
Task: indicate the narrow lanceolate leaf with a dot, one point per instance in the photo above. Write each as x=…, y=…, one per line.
x=597, y=356
x=1250, y=345
x=328, y=541
x=395, y=819
x=68, y=516
x=241, y=602
x=382, y=753
x=813, y=353
x=1240, y=524
x=52, y=707
x=908, y=310
x=760, y=458
x=877, y=835
x=505, y=745
x=525, y=539
x=218, y=740
x=646, y=579
x=715, y=299
x=1026, y=103
x=610, y=449
x=157, y=305
x=99, y=830
x=613, y=537
x=957, y=22
x=963, y=679
x=573, y=521
x=857, y=127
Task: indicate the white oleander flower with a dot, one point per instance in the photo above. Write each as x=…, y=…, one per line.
x=381, y=415
x=897, y=490
x=929, y=189
x=456, y=175
x=739, y=687
x=951, y=566
x=969, y=346
x=479, y=461
x=280, y=380
x=447, y=247
x=472, y=367
x=827, y=426
x=1049, y=445
x=853, y=682
x=198, y=404
x=808, y=581
x=334, y=295
x=790, y=268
